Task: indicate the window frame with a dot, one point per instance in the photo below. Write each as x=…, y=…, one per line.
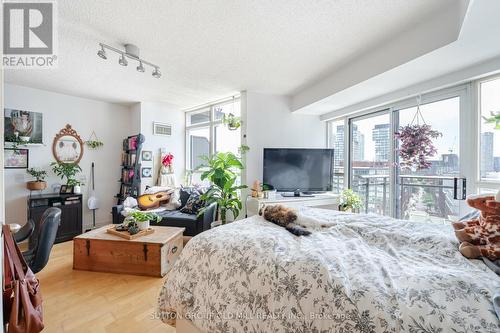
x=211, y=124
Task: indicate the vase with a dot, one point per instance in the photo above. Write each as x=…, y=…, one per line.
x=36, y=186
x=77, y=189
x=144, y=225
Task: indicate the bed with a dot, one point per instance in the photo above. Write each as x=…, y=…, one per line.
x=355, y=273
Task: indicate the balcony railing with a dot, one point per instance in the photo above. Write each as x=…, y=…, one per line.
x=420, y=198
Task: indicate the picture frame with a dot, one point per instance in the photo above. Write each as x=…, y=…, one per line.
x=67, y=189
x=146, y=172
x=147, y=155
x=16, y=158
x=23, y=125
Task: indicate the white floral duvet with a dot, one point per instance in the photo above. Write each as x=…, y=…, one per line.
x=359, y=273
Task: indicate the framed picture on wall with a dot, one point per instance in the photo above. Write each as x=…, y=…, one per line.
x=16, y=158
x=21, y=125
x=147, y=172
x=147, y=155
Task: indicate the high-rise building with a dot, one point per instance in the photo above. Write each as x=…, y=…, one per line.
x=487, y=161
x=381, y=137
x=496, y=164
x=358, y=144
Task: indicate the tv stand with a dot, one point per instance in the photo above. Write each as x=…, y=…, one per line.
x=323, y=200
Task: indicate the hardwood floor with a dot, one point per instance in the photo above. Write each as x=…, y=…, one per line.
x=81, y=301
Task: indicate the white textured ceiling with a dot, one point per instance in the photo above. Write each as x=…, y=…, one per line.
x=213, y=48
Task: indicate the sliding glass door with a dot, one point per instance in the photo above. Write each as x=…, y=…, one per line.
x=370, y=160
x=432, y=194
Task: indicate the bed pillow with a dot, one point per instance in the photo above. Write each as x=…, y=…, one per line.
x=193, y=204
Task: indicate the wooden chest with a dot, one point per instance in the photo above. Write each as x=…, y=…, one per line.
x=151, y=255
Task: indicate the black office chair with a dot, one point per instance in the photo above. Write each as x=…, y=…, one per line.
x=25, y=232
x=38, y=256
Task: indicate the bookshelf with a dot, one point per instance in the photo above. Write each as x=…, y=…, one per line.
x=130, y=180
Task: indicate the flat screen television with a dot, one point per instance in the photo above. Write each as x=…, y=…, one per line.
x=292, y=169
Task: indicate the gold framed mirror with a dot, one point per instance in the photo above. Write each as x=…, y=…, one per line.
x=67, y=146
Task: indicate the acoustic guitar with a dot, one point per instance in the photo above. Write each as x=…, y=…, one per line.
x=148, y=201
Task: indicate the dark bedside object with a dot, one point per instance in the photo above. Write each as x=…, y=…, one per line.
x=71, y=214
x=174, y=218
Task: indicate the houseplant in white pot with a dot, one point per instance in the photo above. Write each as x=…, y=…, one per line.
x=222, y=172
x=349, y=201
x=142, y=219
x=39, y=184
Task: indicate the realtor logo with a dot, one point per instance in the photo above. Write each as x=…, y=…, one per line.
x=29, y=34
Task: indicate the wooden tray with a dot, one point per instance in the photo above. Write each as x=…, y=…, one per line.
x=126, y=235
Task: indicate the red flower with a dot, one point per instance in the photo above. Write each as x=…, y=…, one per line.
x=168, y=159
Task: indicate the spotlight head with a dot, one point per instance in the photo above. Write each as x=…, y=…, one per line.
x=101, y=53
x=140, y=68
x=122, y=61
x=156, y=73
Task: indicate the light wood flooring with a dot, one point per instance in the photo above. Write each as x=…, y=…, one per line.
x=81, y=301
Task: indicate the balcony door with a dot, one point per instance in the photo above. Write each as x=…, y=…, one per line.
x=434, y=194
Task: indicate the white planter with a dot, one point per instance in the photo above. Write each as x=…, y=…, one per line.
x=143, y=225
x=215, y=224
x=25, y=138
x=77, y=189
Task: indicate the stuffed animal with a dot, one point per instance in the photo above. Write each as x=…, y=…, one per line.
x=481, y=237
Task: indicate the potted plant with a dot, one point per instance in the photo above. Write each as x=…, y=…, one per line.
x=494, y=119
x=94, y=144
x=141, y=219
x=39, y=183
x=68, y=171
x=231, y=121
x=349, y=201
x=222, y=172
x=416, y=146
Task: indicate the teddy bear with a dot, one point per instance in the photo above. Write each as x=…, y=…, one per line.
x=480, y=237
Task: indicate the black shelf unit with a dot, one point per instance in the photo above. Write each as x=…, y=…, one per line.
x=130, y=179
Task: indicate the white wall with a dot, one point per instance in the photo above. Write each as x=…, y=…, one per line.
x=163, y=113
x=270, y=123
x=111, y=122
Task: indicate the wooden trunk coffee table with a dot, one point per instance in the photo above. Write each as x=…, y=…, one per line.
x=152, y=254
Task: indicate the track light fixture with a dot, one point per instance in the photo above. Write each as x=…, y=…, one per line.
x=122, y=61
x=131, y=52
x=102, y=53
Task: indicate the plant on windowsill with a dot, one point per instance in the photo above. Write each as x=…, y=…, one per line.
x=39, y=184
x=494, y=119
x=221, y=170
x=68, y=171
x=137, y=221
x=231, y=121
x=349, y=201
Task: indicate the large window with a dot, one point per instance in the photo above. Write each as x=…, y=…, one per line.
x=489, y=152
x=206, y=134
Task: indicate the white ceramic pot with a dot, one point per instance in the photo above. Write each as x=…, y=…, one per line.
x=143, y=225
x=25, y=138
x=77, y=189
x=215, y=224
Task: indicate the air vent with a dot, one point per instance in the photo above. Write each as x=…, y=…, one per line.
x=162, y=129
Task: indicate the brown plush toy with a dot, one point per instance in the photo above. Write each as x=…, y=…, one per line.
x=481, y=237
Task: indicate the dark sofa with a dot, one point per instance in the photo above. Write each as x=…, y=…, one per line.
x=174, y=218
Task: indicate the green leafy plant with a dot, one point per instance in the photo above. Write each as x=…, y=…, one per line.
x=138, y=216
x=94, y=144
x=222, y=172
x=231, y=121
x=349, y=200
x=494, y=119
x=243, y=149
x=68, y=171
x=39, y=175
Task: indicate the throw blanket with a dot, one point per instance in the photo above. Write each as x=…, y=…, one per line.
x=359, y=273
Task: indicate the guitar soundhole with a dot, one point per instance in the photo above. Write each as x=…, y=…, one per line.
x=158, y=196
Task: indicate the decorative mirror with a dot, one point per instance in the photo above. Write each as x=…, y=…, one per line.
x=67, y=146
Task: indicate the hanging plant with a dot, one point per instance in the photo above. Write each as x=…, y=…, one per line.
x=93, y=142
x=231, y=121
x=494, y=119
x=416, y=145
